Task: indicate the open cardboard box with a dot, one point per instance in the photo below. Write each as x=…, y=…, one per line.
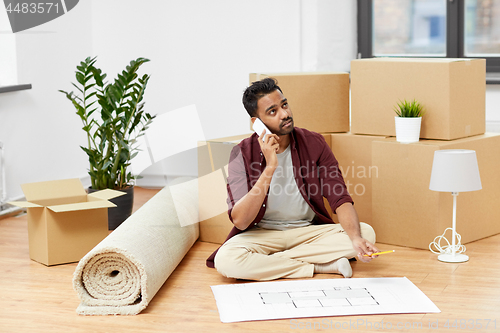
x=64, y=222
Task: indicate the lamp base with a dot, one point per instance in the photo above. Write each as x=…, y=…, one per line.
x=453, y=258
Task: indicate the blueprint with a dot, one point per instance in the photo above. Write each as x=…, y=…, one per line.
x=319, y=298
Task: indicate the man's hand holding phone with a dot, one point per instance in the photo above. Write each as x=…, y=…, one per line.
x=269, y=143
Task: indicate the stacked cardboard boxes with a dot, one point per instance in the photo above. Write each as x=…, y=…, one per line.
x=404, y=211
x=388, y=181
x=354, y=154
x=407, y=213
x=319, y=101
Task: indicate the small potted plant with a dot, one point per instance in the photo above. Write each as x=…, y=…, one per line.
x=113, y=118
x=408, y=121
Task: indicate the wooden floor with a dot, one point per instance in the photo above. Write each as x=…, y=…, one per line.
x=36, y=298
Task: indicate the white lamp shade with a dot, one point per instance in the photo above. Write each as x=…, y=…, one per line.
x=455, y=170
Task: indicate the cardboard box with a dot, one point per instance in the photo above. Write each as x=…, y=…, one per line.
x=319, y=101
x=452, y=92
x=354, y=154
x=405, y=212
x=213, y=159
x=64, y=222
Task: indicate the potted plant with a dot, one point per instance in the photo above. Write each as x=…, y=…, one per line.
x=408, y=121
x=113, y=118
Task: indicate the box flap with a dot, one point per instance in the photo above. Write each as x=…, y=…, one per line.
x=54, y=189
x=81, y=206
x=106, y=194
x=23, y=204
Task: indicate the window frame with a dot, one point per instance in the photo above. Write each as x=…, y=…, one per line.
x=455, y=21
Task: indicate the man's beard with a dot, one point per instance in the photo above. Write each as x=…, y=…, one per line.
x=288, y=130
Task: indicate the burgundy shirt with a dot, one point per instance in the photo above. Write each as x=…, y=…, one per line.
x=315, y=168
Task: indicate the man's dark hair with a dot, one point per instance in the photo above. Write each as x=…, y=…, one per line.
x=256, y=91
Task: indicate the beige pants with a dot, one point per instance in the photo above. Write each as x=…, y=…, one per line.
x=262, y=254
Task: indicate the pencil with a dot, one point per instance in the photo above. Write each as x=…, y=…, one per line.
x=377, y=253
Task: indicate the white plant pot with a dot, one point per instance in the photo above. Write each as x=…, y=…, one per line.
x=408, y=129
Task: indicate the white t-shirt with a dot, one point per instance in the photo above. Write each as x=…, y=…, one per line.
x=286, y=208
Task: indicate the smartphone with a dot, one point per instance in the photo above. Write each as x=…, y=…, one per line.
x=259, y=127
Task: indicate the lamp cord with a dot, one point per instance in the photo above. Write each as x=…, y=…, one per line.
x=446, y=249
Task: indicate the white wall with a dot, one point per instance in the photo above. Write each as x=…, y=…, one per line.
x=328, y=35
x=8, y=68
x=201, y=53
x=40, y=132
x=493, y=108
x=337, y=35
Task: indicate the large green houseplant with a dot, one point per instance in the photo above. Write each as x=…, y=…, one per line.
x=113, y=118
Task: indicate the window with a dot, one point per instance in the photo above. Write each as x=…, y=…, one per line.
x=431, y=28
x=482, y=28
x=409, y=28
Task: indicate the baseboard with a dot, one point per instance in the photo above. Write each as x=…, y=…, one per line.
x=152, y=181
x=493, y=126
x=8, y=211
x=146, y=181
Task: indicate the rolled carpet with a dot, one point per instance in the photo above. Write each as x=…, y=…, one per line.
x=122, y=273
